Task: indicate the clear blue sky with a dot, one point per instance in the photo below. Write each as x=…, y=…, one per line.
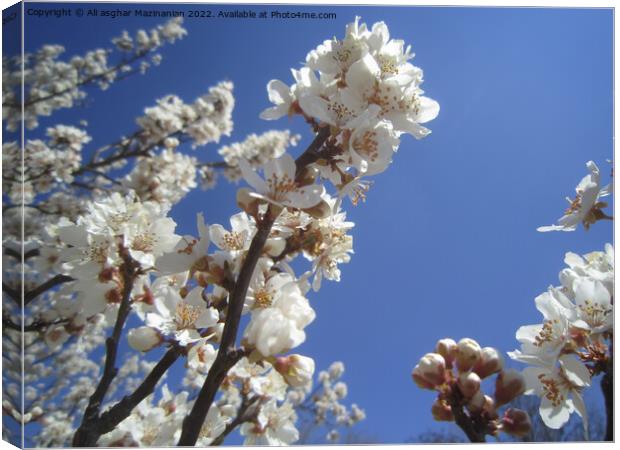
x=446, y=244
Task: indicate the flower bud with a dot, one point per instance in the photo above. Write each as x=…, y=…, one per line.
x=297, y=370
x=516, y=422
x=508, y=386
x=490, y=362
x=467, y=354
x=442, y=412
x=476, y=403
x=430, y=371
x=144, y=339
x=336, y=369
x=489, y=407
x=55, y=337
x=469, y=384
x=171, y=142
x=341, y=390
x=446, y=348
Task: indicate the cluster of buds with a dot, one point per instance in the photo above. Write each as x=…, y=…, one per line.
x=456, y=371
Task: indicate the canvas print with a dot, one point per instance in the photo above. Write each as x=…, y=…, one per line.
x=280, y=224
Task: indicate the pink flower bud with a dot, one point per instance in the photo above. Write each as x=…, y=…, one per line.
x=508, y=386
x=144, y=339
x=516, y=422
x=297, y=370
x=476, y=403
x=490, y=362
x=467, y=354
x=442, y=412
x=446, y=348
x=469, y=384
x=489, y=408
x=430, y=371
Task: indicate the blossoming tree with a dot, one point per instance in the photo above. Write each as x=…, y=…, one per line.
x=112, y=298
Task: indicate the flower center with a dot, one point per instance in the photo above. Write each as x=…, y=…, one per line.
x=367, y=146
x=98, y=252
x=595, y=312
x=233, y=241
x=186, y=316
x=263, y=298
x=144, y=242
x=547, y=333
x=551, y=390
x=280, y=186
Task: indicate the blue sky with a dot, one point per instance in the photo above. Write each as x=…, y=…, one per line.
x=446, y=244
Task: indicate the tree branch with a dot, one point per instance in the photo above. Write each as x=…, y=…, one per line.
x=227, y=356
x=86, y=434
x=464, y=422
x=119, y=412
x=49, y=284
x=35, y=326
x=12, y=293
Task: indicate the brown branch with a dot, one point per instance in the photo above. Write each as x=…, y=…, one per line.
x=12, y=293
x=35, y=326
x=227, y=355
x=18, y=255
x=49, y=284
x=465, y=422
x=119, y=412
x=86, y=432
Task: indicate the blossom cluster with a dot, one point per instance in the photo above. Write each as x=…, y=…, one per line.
x=572, y=344
x=203, y=121
x=47, y=164
x=52, y=83
x=364, y=88
x=256, y=150
x=456, y=371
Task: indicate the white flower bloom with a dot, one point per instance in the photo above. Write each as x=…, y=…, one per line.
x=560, y=390
x=597, y=266
x=542, y=344
x=189, y=253
x=277, y=324
x=279, y=186
x=280, y=96
x=275, y=425
x=238, y=239
x=585, y=208
x=371, y=146
x=594, y=305
x=182, y=317
x=201, y=355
